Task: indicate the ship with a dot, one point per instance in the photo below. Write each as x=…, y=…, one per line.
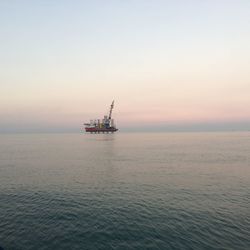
x=105, y=125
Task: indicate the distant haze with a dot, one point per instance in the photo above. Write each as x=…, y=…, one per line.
x=170, y=65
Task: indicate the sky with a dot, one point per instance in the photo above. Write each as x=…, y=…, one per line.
x=169, y=65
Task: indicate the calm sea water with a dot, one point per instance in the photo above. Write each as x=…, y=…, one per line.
x=125, y=191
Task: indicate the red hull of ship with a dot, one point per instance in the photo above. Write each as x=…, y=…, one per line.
x=101, y=130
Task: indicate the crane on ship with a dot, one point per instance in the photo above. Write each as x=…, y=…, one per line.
x=111, y=109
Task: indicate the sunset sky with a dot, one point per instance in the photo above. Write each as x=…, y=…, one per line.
x=168, y=64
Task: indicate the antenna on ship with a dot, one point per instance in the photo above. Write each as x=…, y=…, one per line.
x=111, y=109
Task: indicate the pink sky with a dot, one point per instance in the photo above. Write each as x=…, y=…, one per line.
x=163, y=63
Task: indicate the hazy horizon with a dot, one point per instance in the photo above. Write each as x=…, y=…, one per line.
x=199, y=127
x=169, y=65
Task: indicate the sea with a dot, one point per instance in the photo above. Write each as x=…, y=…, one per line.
x=126, y=191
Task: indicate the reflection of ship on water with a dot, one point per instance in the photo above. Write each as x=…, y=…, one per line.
x=105, y=125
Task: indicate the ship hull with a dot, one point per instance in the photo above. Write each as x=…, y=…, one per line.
x=101, y=130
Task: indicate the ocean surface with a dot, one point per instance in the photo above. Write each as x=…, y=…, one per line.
x=125, y=191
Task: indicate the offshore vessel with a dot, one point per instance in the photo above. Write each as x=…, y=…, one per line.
x=105, y=125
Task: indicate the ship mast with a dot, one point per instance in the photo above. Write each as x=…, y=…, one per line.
x=111, y=108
